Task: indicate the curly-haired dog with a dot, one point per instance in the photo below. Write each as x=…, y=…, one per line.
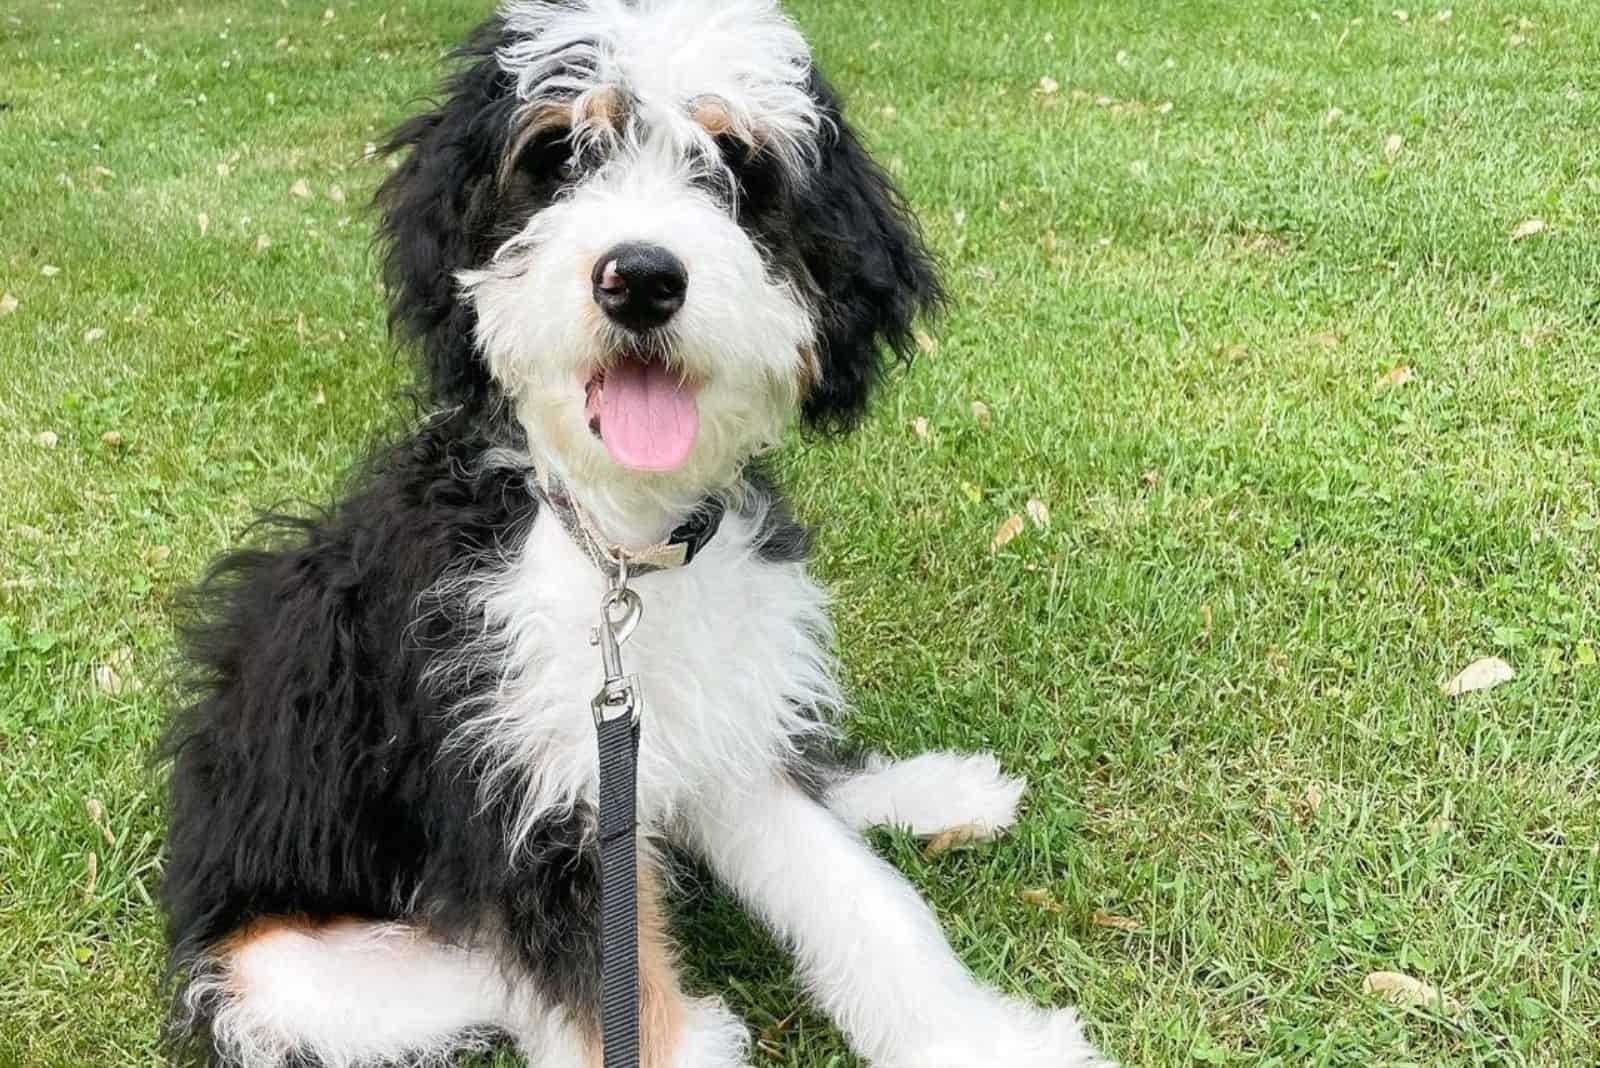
x=632, y=244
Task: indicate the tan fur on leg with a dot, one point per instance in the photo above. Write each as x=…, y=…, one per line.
x=661, y=1010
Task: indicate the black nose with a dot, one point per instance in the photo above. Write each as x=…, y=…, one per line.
x=640, y=286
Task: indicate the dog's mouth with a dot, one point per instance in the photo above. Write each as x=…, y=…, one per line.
x=644, y=412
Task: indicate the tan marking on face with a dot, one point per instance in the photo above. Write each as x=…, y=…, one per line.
x=712, y=115
x=606, y=105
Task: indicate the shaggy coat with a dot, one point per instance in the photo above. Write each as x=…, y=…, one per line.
x=381, y=844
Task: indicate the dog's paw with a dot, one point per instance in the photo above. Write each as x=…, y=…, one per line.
x=931, y=794
x=1019, y=1036
x=712, y=1037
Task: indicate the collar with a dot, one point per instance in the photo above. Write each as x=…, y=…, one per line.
x=612, y=560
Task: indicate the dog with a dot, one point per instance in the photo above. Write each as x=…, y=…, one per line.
x=635, y=242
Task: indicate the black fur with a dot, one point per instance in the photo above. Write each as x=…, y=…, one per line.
x=310, y=776
x=440, y=215
x=863, y=251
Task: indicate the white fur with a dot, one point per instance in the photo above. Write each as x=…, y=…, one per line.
x=869, y=948
x=729, y=648
x=930, y=794
x=668, y=55
x=741, y=334
x=355, y=994
x=713, y=1037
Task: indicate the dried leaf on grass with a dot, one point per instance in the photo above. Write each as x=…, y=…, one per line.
x=1007, y=531
x=945, y=841
x=102, y=823
x=301, y=189
x=93, y=334
x=92, y=879
x=772, y=1035
x=111, y=675
x=1115, y=923
x=1398, y=375
x=926, y=342
x=1484, y=673
x=1039, y=512
x=981, y=414
x=1042, y=898
x=1528, y=228
x=919, y=426
x=204, y=222
x=1403, y=989
x=8, y=303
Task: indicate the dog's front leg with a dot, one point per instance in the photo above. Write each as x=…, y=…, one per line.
x=867, y=945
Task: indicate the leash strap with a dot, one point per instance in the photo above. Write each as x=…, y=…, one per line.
x=619, y=906
x=618, y=710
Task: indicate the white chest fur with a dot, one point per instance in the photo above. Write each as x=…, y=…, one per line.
x=732, y=655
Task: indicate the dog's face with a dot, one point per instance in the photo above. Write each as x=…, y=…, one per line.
x=646, y=227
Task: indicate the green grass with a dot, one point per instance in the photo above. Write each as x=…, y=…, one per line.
x=1261, y=561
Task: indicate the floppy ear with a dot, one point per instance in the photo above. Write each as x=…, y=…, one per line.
x=865, y=253
x=438, y=218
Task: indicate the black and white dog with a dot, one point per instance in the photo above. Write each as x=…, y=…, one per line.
x=633, y=243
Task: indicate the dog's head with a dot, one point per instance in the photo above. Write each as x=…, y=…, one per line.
x=645, y=227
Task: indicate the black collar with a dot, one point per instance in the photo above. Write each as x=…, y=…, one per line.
x=679, y=549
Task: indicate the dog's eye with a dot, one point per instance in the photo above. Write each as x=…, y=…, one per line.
x=755, y=168
x=549, y=162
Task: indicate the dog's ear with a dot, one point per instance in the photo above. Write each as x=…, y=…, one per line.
x=438, y=212
x=873, y=273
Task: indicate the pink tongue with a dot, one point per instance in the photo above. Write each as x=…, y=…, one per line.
x=648, y=417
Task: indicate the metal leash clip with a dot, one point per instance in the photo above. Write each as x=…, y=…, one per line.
x=620, y=610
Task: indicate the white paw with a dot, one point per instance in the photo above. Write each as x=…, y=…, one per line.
x=712, y=1037
x=1023, y=1037
x=931, y=794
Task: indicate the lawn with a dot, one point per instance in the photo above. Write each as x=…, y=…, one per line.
x=1286, y=318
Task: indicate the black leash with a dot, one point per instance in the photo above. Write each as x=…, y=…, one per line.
x=619, y=905
x=618, y=710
